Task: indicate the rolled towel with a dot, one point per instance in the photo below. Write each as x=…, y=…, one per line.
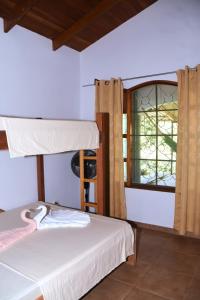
x=60, y=218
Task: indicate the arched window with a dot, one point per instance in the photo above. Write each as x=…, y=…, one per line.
x=150, y=135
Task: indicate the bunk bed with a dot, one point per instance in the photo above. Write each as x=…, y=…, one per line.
x=65, y=263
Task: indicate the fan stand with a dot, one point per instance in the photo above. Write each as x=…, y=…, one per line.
x=83, y=165
x=87, y=194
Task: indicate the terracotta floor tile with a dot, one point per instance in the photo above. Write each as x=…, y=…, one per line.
x=147, y=233
x=148, y=253
x=168, y=284
x=130, y=274
x=151, y=244
x=178, y=262
x=185, y=245
x=151, y=239
x=108, y=289
x=193, y=292
x=137, y=294
x=197, y=273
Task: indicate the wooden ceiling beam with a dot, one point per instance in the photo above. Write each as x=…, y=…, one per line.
x=66, y=35
x=19, y=11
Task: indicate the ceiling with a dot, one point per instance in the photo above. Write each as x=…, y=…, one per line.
x=73, y=23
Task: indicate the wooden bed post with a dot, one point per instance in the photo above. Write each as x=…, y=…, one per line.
x=3, y=141
x=102, y=120
x=40, y=177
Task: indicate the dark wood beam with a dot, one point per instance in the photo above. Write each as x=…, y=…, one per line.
x=101, y=8
x=40, y=177
x=3, y=141
x=19, y=11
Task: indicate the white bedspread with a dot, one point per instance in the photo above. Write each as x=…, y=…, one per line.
x=67, y=262
x=30, y=136
x=15, y=286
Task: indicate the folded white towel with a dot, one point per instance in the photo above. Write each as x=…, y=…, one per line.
x=61, y=218
x=65, y=218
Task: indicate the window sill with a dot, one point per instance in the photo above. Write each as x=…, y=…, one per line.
x=158, y=188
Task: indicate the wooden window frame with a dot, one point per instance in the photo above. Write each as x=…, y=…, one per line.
x=128, y=110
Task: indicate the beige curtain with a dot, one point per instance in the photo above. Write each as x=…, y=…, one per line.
x=187, y=211
x=109, y=98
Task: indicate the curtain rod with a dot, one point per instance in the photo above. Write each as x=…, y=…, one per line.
x=138, y=77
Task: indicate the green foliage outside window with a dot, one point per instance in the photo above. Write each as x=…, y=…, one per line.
x=154, y=138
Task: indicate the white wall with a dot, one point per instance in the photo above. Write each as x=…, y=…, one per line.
x=164, y=37
x=37, y=82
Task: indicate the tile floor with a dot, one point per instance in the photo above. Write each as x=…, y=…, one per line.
x=168, y=267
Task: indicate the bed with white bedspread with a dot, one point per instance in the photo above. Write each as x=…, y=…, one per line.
x=61, y=263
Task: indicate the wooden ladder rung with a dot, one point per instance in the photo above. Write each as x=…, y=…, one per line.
x=90, y=204
x=89, y=180
x=90, y=157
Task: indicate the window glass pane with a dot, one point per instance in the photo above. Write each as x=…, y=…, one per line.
x=144, y=123
x=144, y=147
x=124, y=124
x=144, y=171
x=175, y=126
x=174, y=171
x=166, y=147
x=125, y=171
x=167, y=96
x=144, y=99
x=166, y=173
x=174, y=152
x=124, y=147
x=167, y=122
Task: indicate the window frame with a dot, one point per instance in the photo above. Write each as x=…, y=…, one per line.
x=127, y=109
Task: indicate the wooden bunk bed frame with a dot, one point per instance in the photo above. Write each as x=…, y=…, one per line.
x=101, y=203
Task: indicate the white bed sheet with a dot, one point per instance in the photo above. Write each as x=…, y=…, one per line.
x=1, y=124
x=15, y=286
x=31, y=137
x=66, y=263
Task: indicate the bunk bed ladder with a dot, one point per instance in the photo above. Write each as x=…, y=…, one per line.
x=101, y=181
x=86, y=205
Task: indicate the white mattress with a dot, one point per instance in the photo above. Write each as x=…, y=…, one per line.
x=63, y=264
x=1, y=124
x=32, y=136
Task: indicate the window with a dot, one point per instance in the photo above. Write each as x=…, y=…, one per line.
x=150, y=135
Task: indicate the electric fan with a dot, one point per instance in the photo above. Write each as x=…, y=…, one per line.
x=89, y=169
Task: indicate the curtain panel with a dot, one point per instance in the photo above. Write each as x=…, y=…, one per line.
x=109, y=98
x=187, y=209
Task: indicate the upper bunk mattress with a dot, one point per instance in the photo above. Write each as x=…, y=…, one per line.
x=64, y=263
x=36, y=136
x=1, y=124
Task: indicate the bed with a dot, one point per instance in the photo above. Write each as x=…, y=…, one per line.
x=25, y=136
x=62, y=263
